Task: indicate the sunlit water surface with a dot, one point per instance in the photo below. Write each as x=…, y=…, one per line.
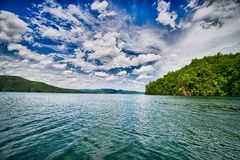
x=88, y=126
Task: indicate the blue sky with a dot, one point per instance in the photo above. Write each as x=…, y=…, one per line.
x=120, y=44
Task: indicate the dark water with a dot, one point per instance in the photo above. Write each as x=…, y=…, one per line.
x=78, y=126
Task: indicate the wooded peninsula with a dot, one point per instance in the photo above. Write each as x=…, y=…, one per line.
x=217, y=75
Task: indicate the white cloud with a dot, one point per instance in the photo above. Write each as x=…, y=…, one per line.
x=103, y=47
x=78, y=53
x=107, y=14
x=123, y=61
x=191, y=4
x=101, y=8
x=203, y=13
x=217, y=11
x=143, y=77
x=111, y=78
x=11, y=27
x=101, y=74
x=59, y=12
x=51, y=33
x=107, y=77
x=144, y=70
x=60, y=34
x=80, y=14
x=165, y=16
x=39, y=60
x=25, y=52
x=144, y=40
x=121, y=73
x=184, y=25
x=79, y=62
x=145, y=58
x=59, y=66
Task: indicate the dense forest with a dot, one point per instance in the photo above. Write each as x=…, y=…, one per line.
x=217, y=75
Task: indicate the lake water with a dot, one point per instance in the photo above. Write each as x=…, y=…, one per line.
x=94, y=126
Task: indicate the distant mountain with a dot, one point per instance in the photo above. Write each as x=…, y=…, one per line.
x=19, y=84
x=109, y=91
x=217, y=75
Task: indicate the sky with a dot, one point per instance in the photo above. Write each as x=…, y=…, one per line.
x=120, y=44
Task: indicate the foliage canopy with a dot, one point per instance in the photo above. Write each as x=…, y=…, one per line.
x=217, y=75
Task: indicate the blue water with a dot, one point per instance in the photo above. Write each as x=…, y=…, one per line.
x=93, y=126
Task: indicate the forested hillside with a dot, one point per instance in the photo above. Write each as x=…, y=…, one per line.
x=211, y=76
x=18, y=84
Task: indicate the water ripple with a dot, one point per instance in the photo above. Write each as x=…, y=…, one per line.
x=78, y=126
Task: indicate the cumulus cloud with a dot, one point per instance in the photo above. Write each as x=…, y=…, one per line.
x=78, y=12
x=106, y=14
x=58, y=33
x=121, y=73
x=104, y=46
x=101, y=7
x=11, y=27
x=146, y=58
x=216, y=13
x=111, y=78
x=24, y=52
x=78, y=53
x=165, y=16
x=144, y=70
x=143, y=77
x=107, y=77
x=101, y=74
x=144, y=40
x=64, y=14
x=38, y=60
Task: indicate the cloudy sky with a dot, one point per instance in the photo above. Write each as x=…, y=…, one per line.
x=121, y=44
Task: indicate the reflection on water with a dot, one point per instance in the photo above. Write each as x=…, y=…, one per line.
x=79, y=126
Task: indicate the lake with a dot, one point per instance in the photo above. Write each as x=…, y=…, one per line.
x=94, y=126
